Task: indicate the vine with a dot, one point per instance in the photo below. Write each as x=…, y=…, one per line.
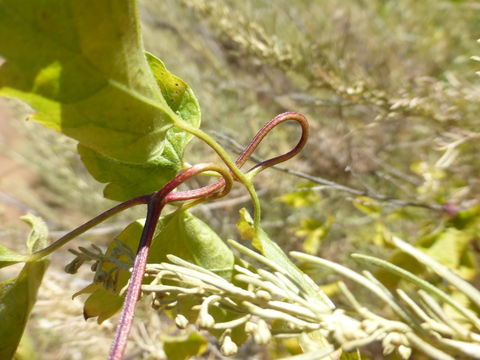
x=133, y=120
x=156, y=201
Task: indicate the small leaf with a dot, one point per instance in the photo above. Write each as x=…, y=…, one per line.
x=182, y=348
x=367, y=205
x=102, y=303
x=89, y=289
x=450, y=248
x=301, y=198
x=245, y=225
x=382, y=235
x=314, y=231
x=467, y=219
x=330, y=289
x=37, y=239
x=8, y=257
x=18, y=295
x=128, y=238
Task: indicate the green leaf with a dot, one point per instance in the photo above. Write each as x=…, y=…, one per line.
x=18, y=295
x=245, y=225
x=301, y=198
x=314, y=231
x=186, y=236
x=92, y=81
x=26, y=349
x=37, y=239
x=184, y=347
x=450, y=248
x=89, y=289
x=128, y=180
x=102, y=303
x=87, y=78
x=367, y=205
x=270, y=249
x=183, y=235
x=128, y=238
x=104, y=300
x=467, y=219
x=8, y=257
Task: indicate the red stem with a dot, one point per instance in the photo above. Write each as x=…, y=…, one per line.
x=89, y=224
x=126, y=318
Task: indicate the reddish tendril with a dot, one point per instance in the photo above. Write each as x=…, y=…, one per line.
x=158, y=200
x=257, y=139
x=206, y=192
x=155, y=205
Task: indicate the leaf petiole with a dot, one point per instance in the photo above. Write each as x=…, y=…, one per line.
x=140, y=200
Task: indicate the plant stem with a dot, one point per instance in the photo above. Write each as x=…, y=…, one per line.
x=247, y=179
x=88, y=225
x=215, y=146
x=237, y=173
x=126, y=318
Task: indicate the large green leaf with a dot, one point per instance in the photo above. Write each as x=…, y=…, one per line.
x=18, y=295
x=82, y=68
x=188, y=237
x=129, y=180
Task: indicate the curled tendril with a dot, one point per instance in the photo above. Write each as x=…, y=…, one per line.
x=208, y=192
x=165, y=195
x=156, y=202
x=257, y=139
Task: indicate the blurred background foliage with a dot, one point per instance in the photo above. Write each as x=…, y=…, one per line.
x=392, y=96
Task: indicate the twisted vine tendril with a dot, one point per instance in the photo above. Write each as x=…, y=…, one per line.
x=156, y=202
x=165, y=195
